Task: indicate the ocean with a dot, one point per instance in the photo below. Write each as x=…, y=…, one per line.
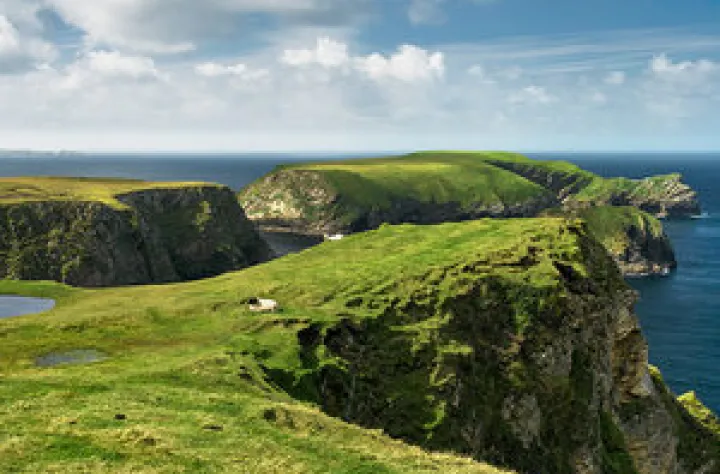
x=680, y=314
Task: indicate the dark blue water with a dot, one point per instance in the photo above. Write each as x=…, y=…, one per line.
x=680, y=314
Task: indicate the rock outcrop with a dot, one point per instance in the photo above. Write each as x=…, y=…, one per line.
x=525, y=353
x=662, y=196
x=636, y=240
x=307, y=202
x=151, y=235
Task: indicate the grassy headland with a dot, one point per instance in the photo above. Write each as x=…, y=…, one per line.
x=102, y=190
x=433, y=187
x=196, y=382
x=103, y=232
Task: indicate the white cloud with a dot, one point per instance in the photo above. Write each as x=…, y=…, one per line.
x=663, y=66
x=19, y=53
x=409, y=64
x=532, y=95
x=173, y=26
x=9, y=37
x=22, y=12
x=103, y=67
x=678, y=91
x=615, y=78
x=213, y=69
x=113, y=63
x=327, y=53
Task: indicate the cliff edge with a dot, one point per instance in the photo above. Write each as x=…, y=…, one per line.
x=89, y=232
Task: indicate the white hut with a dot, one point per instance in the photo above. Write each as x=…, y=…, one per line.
x=261, y=305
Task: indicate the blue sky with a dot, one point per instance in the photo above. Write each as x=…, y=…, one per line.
x=290, y=75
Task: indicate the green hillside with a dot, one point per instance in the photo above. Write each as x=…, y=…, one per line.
x=192, y=381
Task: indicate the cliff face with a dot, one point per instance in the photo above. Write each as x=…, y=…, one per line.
x=146, y=236
x=528, y=357
x=307, y=202
x=663, y=196
x=635, y=239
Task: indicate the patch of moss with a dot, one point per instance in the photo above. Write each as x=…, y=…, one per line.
x=700, y=412
x=614, y=457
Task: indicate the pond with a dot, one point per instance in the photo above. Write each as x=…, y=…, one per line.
x=12, y=306
x=76, y=357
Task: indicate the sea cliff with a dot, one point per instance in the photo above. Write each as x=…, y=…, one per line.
x=114, y=232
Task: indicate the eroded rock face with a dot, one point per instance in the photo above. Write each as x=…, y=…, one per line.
x=160, y=235
x=550, y=378
x=673, y=198
x=303, y=202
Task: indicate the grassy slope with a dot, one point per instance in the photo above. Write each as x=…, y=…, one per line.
x=104, y=190
x=429, y=177
x=185, y=358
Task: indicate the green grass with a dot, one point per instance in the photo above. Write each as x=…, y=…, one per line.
x=464, y=178
x=105, y=190
x=188, y=357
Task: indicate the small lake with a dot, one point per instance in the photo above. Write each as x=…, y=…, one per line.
x=12, y=306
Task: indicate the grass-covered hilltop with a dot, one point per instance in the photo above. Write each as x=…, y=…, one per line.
x=102, y=232
x=448, y=348
x=432, y=187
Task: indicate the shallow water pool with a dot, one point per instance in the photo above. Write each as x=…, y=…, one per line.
x=12, y=306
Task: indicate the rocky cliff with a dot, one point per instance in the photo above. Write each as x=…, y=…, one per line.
x=328, y=201
x=662, y=196
x=635, y=239
x=128, y=233
x=521, y=350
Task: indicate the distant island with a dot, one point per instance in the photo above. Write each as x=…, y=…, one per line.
x=22, y=153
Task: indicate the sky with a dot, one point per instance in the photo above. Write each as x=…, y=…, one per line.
x=360, y=75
